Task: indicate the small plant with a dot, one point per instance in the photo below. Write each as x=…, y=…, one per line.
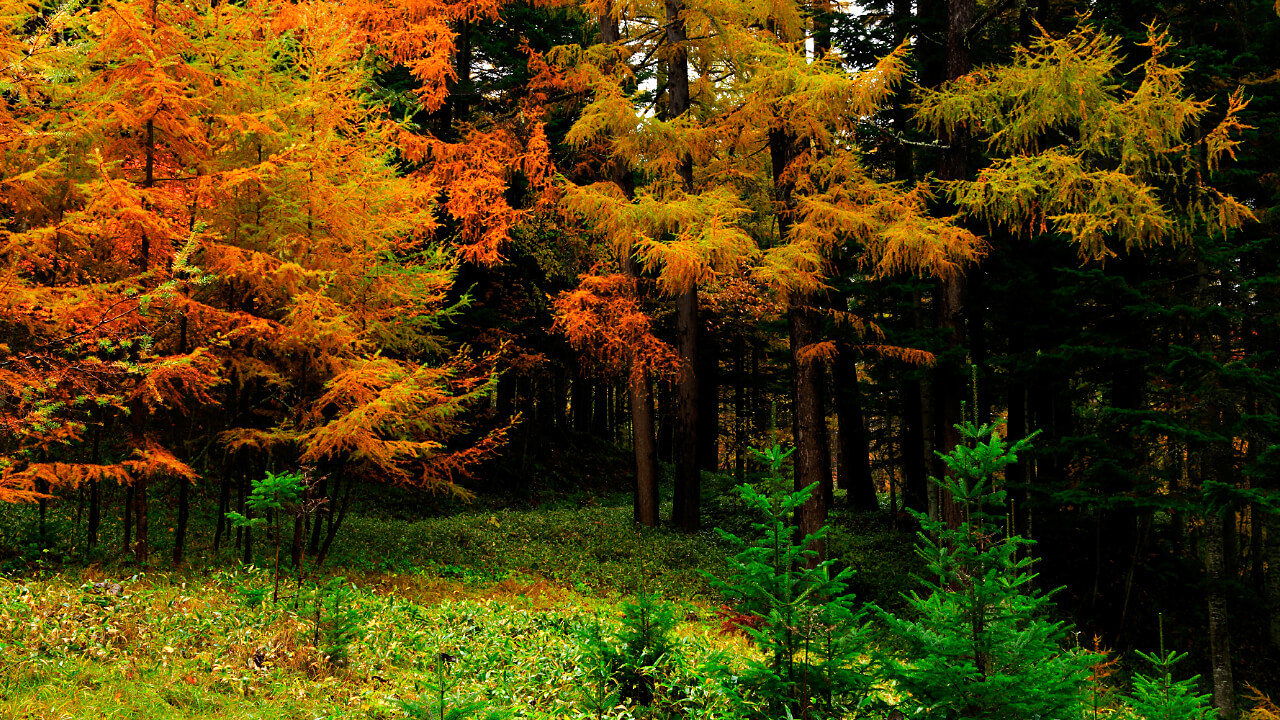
x=338, y=621
x=636, y=659
x=1160, y=697
x=272, y=496
x=813, y=638
x=438, y=705
x=976, y=644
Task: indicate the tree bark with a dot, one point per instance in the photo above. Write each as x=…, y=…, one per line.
x=854, y=469
x=688, y=485
x=127, y=520
x=1272, y=580
x=180, y=529
x=709, y=401
x=141, y=548
x=1219, y=632
x=812, y=461
x=639, y=386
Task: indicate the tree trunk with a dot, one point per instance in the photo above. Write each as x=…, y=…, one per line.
x=808, y=423
x=140, y=543
x=1219, y=632
x=688, y=485
x=180, y=529
x=709, y=402
x=740, y=416
x=296, y=547
x=127, y=520
x=581, y=402
x=855, y=457
x=645, y=447
x=688, y=490
x=639, y=388
x=95, y=486
x=1272, y=581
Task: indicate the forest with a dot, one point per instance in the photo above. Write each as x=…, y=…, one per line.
x=630, y=359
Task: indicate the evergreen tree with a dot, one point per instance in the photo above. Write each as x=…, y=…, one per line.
x=977, y=644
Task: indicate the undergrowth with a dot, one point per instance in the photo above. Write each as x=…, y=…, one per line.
x=188, y=646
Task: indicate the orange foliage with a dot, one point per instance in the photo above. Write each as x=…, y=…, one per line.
x=204, y=202
x=603, y=317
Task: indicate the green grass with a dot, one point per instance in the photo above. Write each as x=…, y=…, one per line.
x=507, y=593
x=596, y=549
x=184, y=646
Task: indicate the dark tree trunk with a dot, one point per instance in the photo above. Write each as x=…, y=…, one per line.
x=224, y=502
x=709, y=402
x=808, y=422
x=646, y=449
x=1271, y=584
x=95, y=486
x=949, y=379
x=336, y=521
x=141, y=548
x=740, y=416
x=1219, y=630
x=915, y=471
x=600, y=414
x=581, y=402
x=127, y=520
x=855, y=456
x=688, y=486
x=639, y=388
x=180, y=529
x=299, y=536
x=317, y=532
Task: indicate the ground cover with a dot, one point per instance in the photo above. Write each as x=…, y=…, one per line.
x=160, y=645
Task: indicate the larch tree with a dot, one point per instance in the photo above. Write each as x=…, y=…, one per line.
x=217, y=199
x=805, y=112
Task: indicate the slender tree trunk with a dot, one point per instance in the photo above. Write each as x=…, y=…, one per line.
x=740, y=416
x=317, y=527
x=141, y=548
x=1219, y=632
x=95, y=486
x=688, y=485
x=808, y=422
x=1271, y=584
x=646, y=448
x=336, y=522
x=581, y=402
x=298, y=544
x=180, y=529
x=709, y=402
x=224, y=502
x=639, y=387
x=600, y=414
x=949, y=380
x=855, y=456
x=128, y=519
x=915, y=472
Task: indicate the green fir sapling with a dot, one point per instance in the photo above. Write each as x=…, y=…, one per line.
x=1160, y=697
x=639, y=659
x=813, y=640
x=271, y=495
x=976, y=644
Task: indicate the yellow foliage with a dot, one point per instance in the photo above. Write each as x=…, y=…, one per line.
x=1130, y=173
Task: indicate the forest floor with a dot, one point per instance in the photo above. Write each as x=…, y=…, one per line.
x=408, y=618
